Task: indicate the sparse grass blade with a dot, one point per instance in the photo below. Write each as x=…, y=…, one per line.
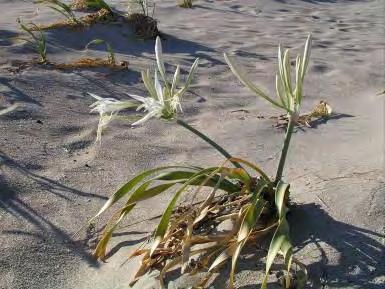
x=38, y=41
x=111, y=54
x=61, y=8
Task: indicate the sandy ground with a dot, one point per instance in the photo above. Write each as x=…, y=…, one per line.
x=53, y=177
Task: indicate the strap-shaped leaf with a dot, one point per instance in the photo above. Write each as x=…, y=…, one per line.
x=253, y=166
x=280, y=242
x=226, y=254
x=148, y=84
x=298, y=80
x=190, y=76
x=100, y=251
x=253, y=212
x=306, y=56
x=159, y=61
x=234, y=260
x=158, y=88
x=163, y=224
x=237, y=72
x=125, y=189
x=280, y=91
x=175, y=80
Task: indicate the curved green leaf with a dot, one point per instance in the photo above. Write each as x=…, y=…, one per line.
x=163, y=224
x=252, y=214
x=125, y=189
x=248, y=83
x=280, y=242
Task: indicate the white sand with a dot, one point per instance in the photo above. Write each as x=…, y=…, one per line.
x=53, y=178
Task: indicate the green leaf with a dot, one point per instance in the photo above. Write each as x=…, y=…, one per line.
x=248, y=83
x=175, y=80
x=159, y=61
x=148, y=84
x=253, y=212
x=95, y=42
x=100, y=250
x=280, y=242
x=306, y=56
x=298, y=80
x=125, y=189
x=280, y=91
x=234, y=260
x=189, y=78
x=280, y=194
x=286, y=71
x=163, y=224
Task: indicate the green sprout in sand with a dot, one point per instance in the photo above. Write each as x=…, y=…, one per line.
x=37, y=40
x=237, y=190
x=111, y=54
x=63, y=9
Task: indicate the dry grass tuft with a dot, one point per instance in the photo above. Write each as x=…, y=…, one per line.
x=89, y=5
x=59, y=25
x=145, y=27
x=321, y=111
x=102, y=16
x=195, y=242
x=92, y=63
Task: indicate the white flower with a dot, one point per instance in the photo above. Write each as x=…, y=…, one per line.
x=107, y=108
x=164, y=99
x=153, y=108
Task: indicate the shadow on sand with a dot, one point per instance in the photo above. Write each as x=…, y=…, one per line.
x=12, y=204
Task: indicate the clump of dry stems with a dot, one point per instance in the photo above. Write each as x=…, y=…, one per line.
x=89, y=5
x=321, y=111
x=144, y=26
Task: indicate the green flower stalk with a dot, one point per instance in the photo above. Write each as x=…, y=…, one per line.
x=289, y=96
x=163, y=102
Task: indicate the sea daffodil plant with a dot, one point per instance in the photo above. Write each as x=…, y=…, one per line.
x=254, y=203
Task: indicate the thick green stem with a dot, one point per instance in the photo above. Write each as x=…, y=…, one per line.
x=282, y=160
x=208, y=140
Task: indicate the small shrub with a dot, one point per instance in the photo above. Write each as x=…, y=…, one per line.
x=144, y=27
x=185, y=4
x=140, y=16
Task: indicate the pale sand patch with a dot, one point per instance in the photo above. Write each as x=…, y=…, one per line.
x=53, y=177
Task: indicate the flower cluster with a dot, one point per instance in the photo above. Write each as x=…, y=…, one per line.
x=164, y=100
